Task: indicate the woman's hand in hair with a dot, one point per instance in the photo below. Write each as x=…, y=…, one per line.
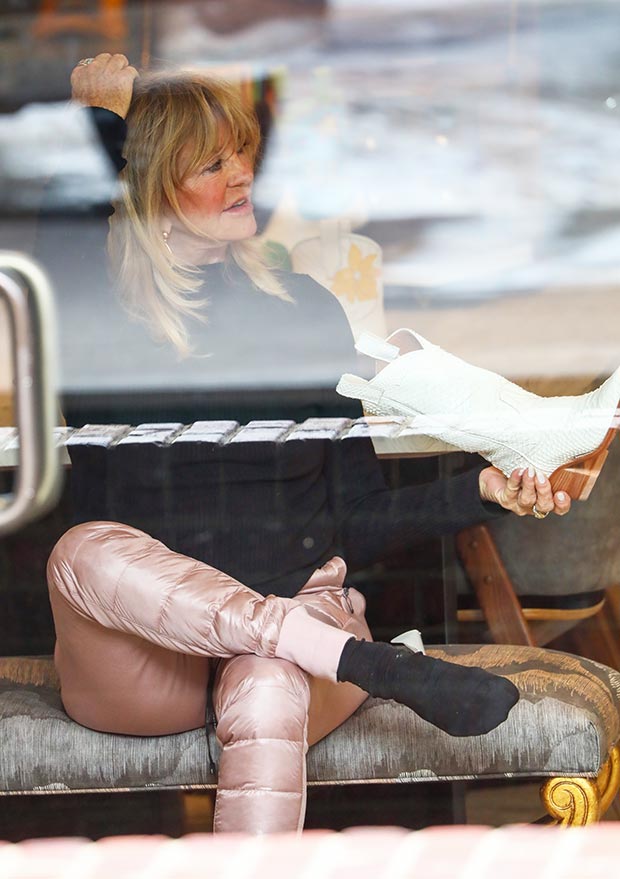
x=107, y=81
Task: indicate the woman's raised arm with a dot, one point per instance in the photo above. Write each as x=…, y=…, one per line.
x=105, y=81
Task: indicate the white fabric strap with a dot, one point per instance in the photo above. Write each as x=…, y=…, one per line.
x=375, y=346
x=411, y=639
x=419, y=339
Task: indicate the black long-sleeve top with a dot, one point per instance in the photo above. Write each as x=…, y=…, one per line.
x=268, y=513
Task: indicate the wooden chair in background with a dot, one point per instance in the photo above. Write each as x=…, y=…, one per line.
x=536, y=581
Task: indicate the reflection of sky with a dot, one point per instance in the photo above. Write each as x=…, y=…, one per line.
x=511, y=136
x=493, y=127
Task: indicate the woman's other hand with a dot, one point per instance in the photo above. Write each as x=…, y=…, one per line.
x=106, y=81
x=521, y=491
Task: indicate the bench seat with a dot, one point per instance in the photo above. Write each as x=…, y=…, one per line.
x=565, y=728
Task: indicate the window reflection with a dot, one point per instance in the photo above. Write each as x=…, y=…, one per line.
x=441, y=165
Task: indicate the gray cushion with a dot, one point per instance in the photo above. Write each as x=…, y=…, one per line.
x=565, y=724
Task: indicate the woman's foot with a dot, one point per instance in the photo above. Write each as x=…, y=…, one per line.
x=564, y=438
x=460, y=700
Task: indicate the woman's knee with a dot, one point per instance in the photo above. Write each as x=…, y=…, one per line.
x=258, y=697
x=97, y=533
x=101, y=539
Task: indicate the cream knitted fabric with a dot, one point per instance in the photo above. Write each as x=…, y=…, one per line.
x=479, y=411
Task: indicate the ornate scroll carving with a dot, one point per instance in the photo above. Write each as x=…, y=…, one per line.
x=608, y=780
x=572, y=802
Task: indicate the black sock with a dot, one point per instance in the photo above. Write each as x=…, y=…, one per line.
x=460, y=700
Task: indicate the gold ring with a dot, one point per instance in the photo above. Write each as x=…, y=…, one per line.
x=85, y=62
x=537, y=514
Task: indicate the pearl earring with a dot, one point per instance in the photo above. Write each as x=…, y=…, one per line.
x=165, y=235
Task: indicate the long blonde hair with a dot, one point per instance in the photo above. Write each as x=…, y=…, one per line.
x=169, y=114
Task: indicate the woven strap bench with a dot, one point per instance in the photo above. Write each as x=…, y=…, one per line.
x=564, y=730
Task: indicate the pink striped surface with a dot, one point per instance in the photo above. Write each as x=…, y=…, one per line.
x=515, y=852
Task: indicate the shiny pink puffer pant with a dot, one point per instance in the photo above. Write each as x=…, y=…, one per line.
x=136, y=625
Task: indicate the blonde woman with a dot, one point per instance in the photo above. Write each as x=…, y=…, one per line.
x=242, y=574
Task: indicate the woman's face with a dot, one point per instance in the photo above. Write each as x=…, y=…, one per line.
x=217, y=199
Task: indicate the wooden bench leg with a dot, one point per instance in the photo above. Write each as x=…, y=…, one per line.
x=575, y=802
x=198, y=809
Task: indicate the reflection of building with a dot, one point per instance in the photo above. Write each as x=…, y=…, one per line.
x=41, y=41
x=106, y=17
x=238, y=15
x=480, y=174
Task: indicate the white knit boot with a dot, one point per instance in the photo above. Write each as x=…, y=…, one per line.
x=476, y=410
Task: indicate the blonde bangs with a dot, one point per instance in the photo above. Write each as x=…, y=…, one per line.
x=217, y=125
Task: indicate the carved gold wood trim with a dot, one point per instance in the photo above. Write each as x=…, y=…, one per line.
x=608, y=780
x=571, y=802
